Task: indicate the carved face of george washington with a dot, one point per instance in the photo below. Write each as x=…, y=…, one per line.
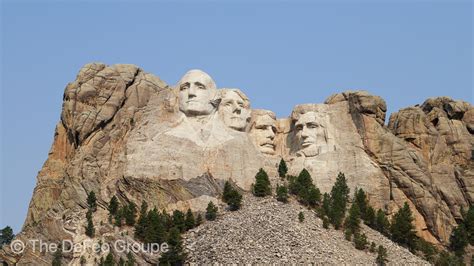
x=197, y=91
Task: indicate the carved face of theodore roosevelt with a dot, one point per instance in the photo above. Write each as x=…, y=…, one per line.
x=263, y=130
x=309, y=131
x=197, y=91
x=234, y=109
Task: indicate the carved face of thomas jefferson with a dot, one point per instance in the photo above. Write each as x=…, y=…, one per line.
x=197, y=91
x=263, y=130
x=234, y=109
x=309, y=132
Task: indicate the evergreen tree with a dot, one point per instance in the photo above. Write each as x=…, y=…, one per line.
x=141, y=224
x=381, y=256
x=261, y=187
x=155, y=230
x=469, y=224
x=325, y=222
x=402, y=228
x=459, y=240
x=113, y=205
x=282, y=193
x=199, y=220
x=353, y=220
x=189, y=222
x=130, y=259
x=82, y=261
x=130, y=214
x=226, y=194
x=121, y=262
x=109, y=260
x=90, y=230
x=301, y=217
x=339, y=197
x=92, y=201
x=369, y=217
x=211, y=211
x=57, y=256
x=373, y=247
x=282, y=168
x=361, y=199
x=6, y=236
x=326, y=204
x=178, y=220
x=312, y=196
x=360, y=241
x=235, y=200
x=175, y=254
x=119, y=216
x=382, y=223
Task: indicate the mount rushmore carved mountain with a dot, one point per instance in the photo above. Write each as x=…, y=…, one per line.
x=125, y=132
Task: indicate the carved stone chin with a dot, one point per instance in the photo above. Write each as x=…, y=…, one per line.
x=263, y=130
x=197, y=93
x=234, y=109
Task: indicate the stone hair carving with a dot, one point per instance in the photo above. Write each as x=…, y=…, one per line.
x=262, y=130
x=310, y=131
x=197, y=94
x=234, y=109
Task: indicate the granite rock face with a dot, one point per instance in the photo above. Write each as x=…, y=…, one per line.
x=125, y=132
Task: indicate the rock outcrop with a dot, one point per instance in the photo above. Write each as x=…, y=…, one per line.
x=125, y=132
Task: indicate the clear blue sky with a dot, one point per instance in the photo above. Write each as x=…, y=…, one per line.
x=280, y=54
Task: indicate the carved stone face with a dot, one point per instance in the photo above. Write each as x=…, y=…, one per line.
x=234, y=109
x=309, y=131
x=197, y=90
x=263, y=132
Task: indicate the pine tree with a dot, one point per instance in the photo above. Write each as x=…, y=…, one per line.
x=369, y=217
x=282, y=193
x=58, y=256
x=326, y=204
x=155, y=229
x=6, y=236
x=301, y=217
x=353, y=220
x=175, y=254
x=469, y=224
x=211, y=211
x=109, y=260
x=373, y=247
x=121, y=262
x=199, y=220
x=360, y=241
x=130, y=214
x=189, y=221
x=178, y=220
x=382, y=223
x=119, y=216
x=339, y=197
x=141, y=224
x=92, y=201
x=130, y=259
x=261, y=187
x=402, y=228
x=459, y=240
x=325, y=222
x=282, y=169
x=90, y=230
x=361, y=199
x=235, y=200
x=113, y=205
x=381, y=255
x=312, y=196
x=226, y=194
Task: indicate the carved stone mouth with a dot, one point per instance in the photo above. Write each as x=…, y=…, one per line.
x=268, y=145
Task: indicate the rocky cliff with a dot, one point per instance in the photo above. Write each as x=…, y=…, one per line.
x=125, y=132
